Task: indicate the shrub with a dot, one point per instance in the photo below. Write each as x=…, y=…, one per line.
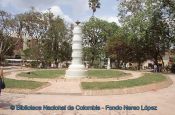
x=173, y=68
x=34, y=64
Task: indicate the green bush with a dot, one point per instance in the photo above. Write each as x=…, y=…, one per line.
x=34, y=64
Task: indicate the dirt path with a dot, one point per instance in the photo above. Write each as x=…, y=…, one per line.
x=163, y=99
x=62, y=86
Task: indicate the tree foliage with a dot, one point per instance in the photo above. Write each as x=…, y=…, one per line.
x=95, y=34
x=47, y=36
x=57, y=44
x=7, y=27
x=118, y=48
x=149, y=24
x=94, y=4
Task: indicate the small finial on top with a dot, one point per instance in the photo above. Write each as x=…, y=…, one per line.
x=77, y=22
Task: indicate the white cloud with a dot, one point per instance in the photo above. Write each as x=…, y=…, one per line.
x=80, y=6
x=56, y=10
x=27, y=3
x=111, y=19
x=4, y=3
x=75, y=8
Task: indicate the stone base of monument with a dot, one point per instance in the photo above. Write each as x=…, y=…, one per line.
x=75, y=71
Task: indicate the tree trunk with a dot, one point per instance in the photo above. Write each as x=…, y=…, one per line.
x=162, y=61
x=139, y=64
x=156, y=61
x=118, y=64
x=92, y=61
x=125, y=65
x=161, y=67
x=1, y=59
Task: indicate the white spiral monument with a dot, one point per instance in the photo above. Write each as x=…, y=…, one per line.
x=76, y=69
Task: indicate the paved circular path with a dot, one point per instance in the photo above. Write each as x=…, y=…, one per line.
x=63, y=86
x=164, y=99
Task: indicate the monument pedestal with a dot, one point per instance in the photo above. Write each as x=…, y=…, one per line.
x=76, y=69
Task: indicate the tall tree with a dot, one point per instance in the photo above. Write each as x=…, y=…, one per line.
x=119, y=49
x=32, y=27
x=95, y=34
x=158, y=37
x=149, y=26
x=7, y=30
x=57, y=44
x=94, y=4
x=47, y=37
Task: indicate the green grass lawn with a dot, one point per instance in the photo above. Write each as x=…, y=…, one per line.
x=23, y=84
x=148, y=78
x=58, y=73
x=104, y=73
x=43, y=74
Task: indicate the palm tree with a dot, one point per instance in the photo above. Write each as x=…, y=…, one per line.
x=94, y=4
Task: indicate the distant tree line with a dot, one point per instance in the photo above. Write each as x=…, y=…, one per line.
x=147, y=31
x=50, y=36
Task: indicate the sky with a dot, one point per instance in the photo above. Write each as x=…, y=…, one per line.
x=70, y=10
